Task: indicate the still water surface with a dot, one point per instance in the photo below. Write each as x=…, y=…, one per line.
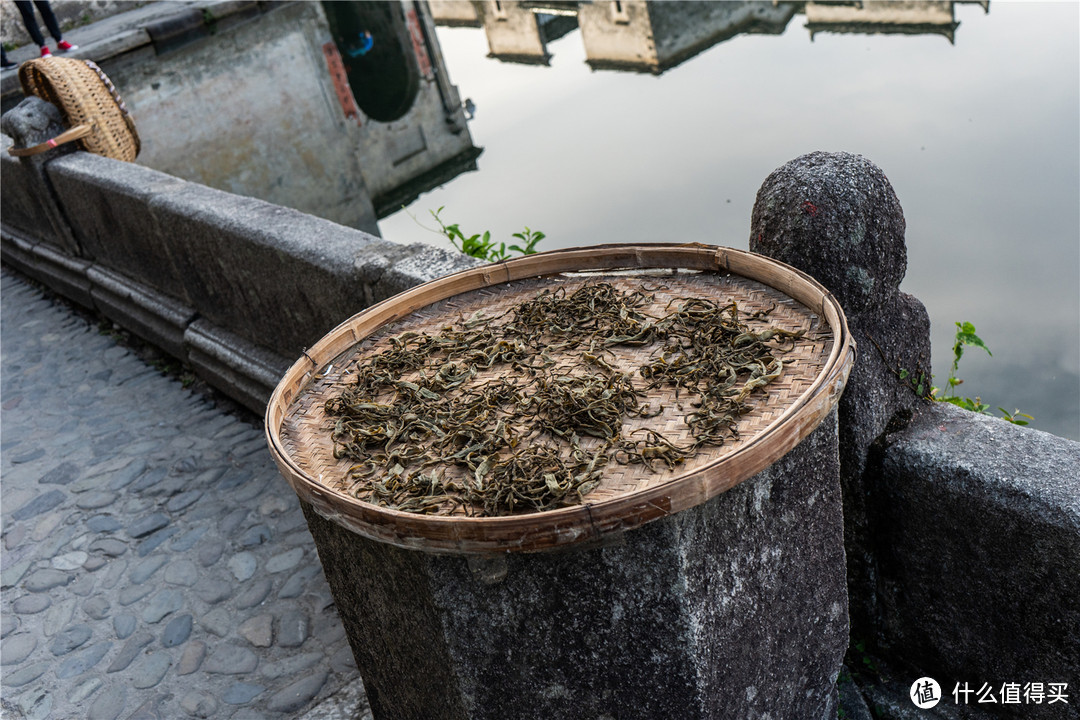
x=981, y=141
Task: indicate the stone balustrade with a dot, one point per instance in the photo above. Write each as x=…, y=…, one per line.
x=961, y=532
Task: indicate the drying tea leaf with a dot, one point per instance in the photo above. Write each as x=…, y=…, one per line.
x=488, y=417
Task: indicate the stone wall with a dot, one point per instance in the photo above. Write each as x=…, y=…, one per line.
x=208, y=111
x=237, y=287
x=962, y=532
x=197, y=79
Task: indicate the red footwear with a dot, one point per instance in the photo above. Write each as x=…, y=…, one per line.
x=64, y=46
x=45, y=52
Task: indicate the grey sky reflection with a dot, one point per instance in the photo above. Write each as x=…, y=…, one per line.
x=980, y=141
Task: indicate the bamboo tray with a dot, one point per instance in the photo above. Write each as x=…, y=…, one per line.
x=297, y=427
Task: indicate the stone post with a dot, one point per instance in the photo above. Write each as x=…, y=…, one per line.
x=836, y=217
x=735, y=608
x=29, y=123
x=42, y=229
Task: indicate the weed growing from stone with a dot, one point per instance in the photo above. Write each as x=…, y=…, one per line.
x=965, y=337
x=482, y=246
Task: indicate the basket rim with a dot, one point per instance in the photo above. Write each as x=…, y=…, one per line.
x=587, y=521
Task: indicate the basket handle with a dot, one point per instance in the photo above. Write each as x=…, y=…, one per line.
x=79, y=131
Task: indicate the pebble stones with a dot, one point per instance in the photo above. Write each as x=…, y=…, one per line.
x=182, y=571
x=108, y=704
x=45, y=580
x=212, y=590
x=199, y=704
x=146, y=525
x=70, y=561
x=231, y=660
x=95, y=500
x=285, y=561
x=177, y=631
x=40, y=504
x=24, y=675
x=129, y=651
x=255, y=594
x=293, y=629
x=144, y=569
x=69, y=639
x=30, y=604
x=83, y=660
x=259, y=630
x=191, y=660
x=298, y=694
x=242, y=565
x=17, y=648
x=241, y=693
x=124, y=625
x=211, y=552
x=150, y=670
x=36, y=704
x=162, y=604
x=63, y=474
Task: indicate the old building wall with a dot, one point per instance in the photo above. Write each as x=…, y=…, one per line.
x=252, y=110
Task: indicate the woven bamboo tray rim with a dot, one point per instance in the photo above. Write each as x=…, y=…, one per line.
x=594, y=518
x=85, y=96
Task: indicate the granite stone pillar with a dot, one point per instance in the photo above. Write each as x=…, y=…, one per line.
x=29, y=123
x=38, y=238
x=836, y=217
x=735, y=608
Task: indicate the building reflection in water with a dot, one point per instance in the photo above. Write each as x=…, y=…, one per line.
x=651, y=37
x=360, y=116
x=412, y=133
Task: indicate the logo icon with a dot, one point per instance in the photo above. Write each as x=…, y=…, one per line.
x=925, y=693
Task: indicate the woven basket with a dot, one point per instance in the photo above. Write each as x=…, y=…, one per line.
x=628, y=496
x=94, y=113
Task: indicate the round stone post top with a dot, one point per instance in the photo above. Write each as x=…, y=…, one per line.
x=32, y=121
x=836, y=217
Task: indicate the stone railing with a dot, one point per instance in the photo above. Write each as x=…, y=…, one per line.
x=236, y=287
x=962, y=532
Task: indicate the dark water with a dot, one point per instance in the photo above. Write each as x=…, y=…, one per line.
x=980, y=139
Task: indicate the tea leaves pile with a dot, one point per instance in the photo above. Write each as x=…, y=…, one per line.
x=488, y=417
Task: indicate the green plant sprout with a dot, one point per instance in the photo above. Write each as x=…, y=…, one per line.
x=482, y=246
x=966, y=337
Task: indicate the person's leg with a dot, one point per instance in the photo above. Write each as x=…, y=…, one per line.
x=50, y=20
x=26, y=9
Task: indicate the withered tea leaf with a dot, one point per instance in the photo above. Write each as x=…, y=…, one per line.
x=502, y=403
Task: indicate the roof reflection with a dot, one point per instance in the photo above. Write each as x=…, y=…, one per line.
x=651, y=37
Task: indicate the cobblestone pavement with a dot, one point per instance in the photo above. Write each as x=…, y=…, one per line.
x=154, y=562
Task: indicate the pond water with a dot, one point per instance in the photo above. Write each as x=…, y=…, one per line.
x=980, y=139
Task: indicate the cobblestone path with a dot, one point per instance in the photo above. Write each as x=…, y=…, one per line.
x=154, y=562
